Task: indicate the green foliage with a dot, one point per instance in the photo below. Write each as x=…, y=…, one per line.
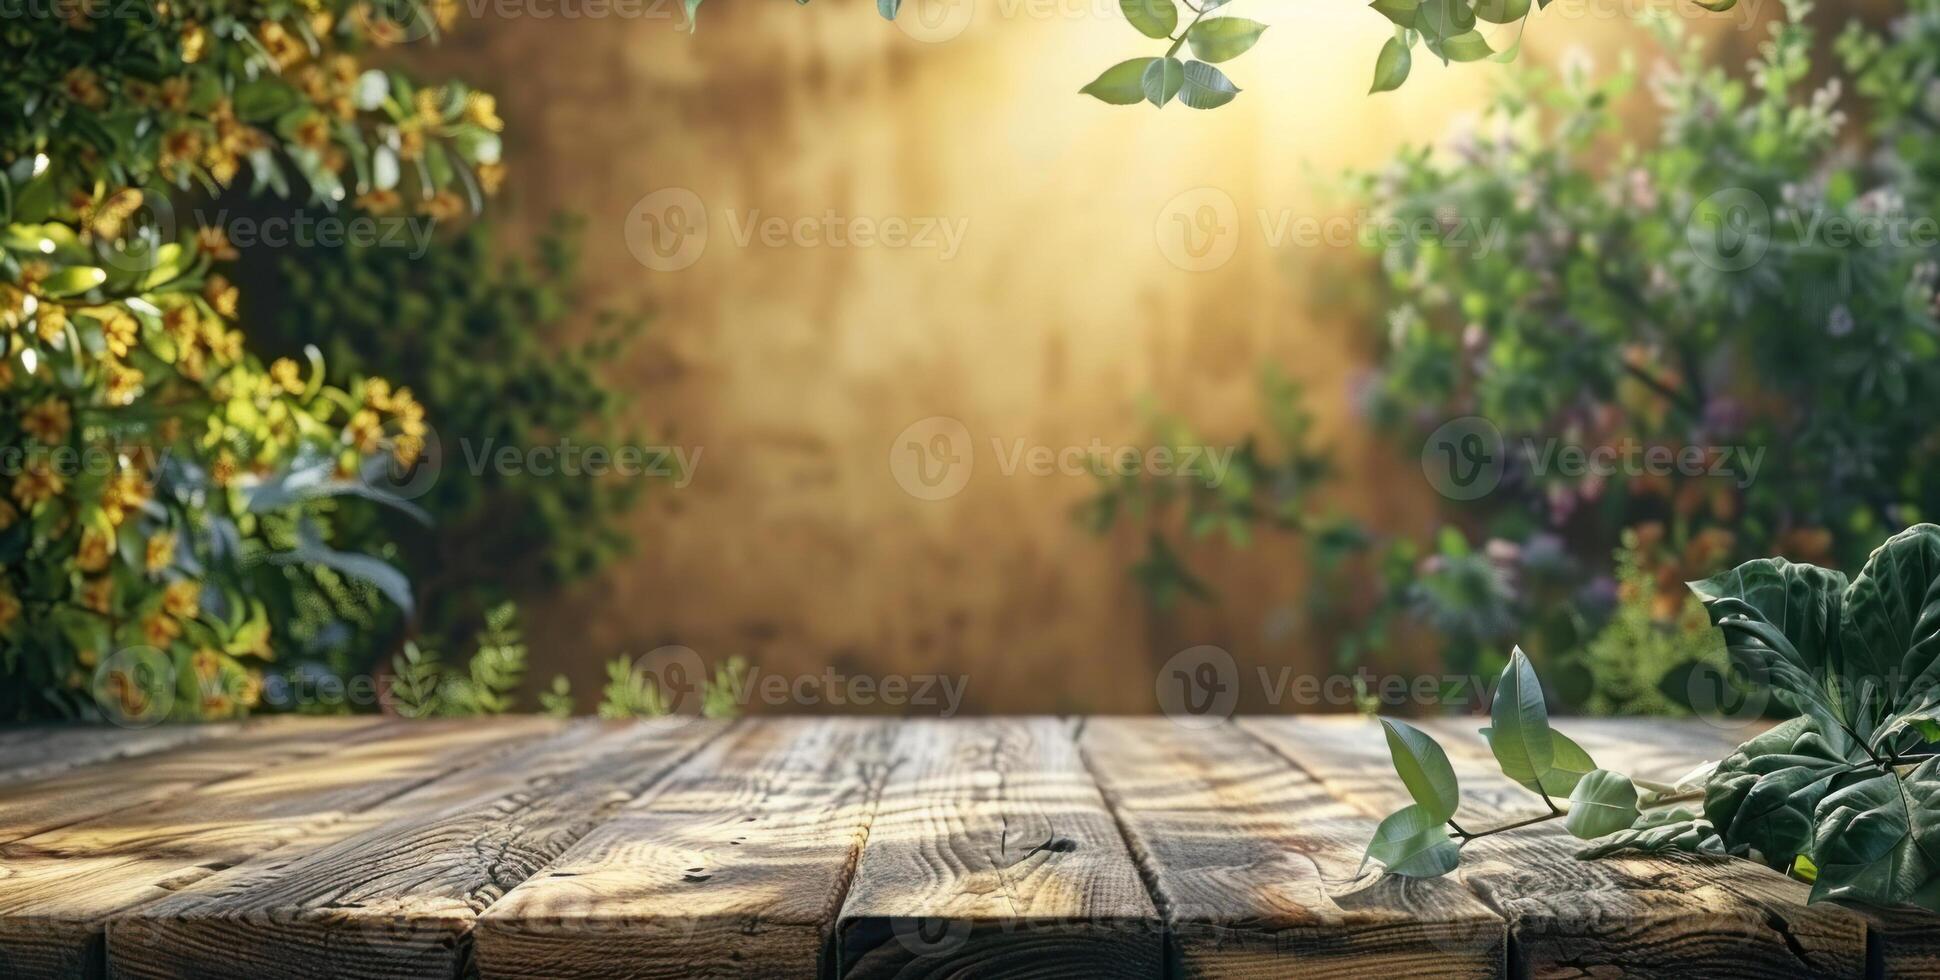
x=631, y=692
x=421, y=687
x=557, y=701
x=1643, y=661
x=502, y=354
x=1847, y=793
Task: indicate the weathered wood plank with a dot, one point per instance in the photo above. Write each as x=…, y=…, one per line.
x=992, y=854
x=1570, y=918
x=399, y=899
x=58, y=888
x=735, y=867
x=1902, y=942
x=37, y=751
x=73, y=796
x=1252, y=863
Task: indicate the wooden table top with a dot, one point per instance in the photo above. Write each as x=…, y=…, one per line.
x=1109, y=847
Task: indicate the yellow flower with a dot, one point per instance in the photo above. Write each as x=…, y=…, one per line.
x=98, y=594
x=96, y=546
x=213, y=241
x=285, y=372
x=377, y=394
x=104, y=220
x=313, y=132
x=181, y=146
x=83, y=87
x=430, y=104
x=344, y=69
x=124, y=383
x=445, y=12
x=406, y=447
x=252, y=689
x=194, y=38
x=37, y=482
x=87, y=658
x=364, y=431
x=222, y=295
x=223, y=471
x=50, y=321
x=410, y=144
x=119, y=330
x=13, y=306
x=205, y=662
x=48, y=421
x=182, y=599
x=32, y=274
x=174, y=95
x=491, y=176
x=443, y=206
x=376, y=202
x=283, y=47
x=161, y=551
x=9, y=608
x=482, y=109
x=159, y=629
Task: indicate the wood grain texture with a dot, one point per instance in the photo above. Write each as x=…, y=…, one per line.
x=74, y=796
x=36, y=751
x=992, y=854
x=58, y=888
x=736, y=867
x=399, y=899
x=1574, y=918
x=1253, y=865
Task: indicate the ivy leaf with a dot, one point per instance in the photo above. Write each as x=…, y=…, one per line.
x=1461, y=48
x=1878, y=840
x=1519, y=735
x=1223, y=38
x=1890, y=640
x=1411, y=843
x=1423, y=768
x=1156, y=19
x=1401, y=12
x=1391, y=68
x=1781, y=623
x=1603, y=803
x=1205, y=87
x=1502, y=11
x=1161, y=80
x=1763, y=796
x=1120, y=84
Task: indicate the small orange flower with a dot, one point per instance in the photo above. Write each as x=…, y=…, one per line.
x=159, y=629
x=48, y=421
x=380, y=202
x=50, y=321
x=443, y=206
x=365, y=432
x=222, y=295
x=174, y=94
x=120, y=330
x=285, y=373
x=313, y=132
x=182, y=599
x=99, y=595
x=37, y=482
x=482, y=110
x=96, y=546
x=283, y=47
x=83, y=87
x=161, y=551
x=491, y=176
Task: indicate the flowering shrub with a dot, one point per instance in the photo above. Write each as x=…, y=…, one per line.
x=160, y=480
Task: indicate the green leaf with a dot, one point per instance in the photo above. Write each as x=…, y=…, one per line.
x=1156, y=19
x=1878, y=841
x=1781, y=624
x=1661, y=831
x=1501, y=11
x=1205, y=87
x=1401, y=12
x=1411, y=843
x=1763, y=796
x=1161, y=80
x=1603, y=803
x=1568, y=763
x=264, y=99
x=1519, y=733
x=1120, y=84
x=73, y=280
x=1223, y=38
x=1716, y=6
x=888, y=8
x=1889, y=644
x=1423, y=768
x=1464, y=47
x=1391, y=68
x=1443, y=18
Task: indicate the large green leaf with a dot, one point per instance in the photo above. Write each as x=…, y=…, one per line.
x=1156, y=19
x=1412, y=843
x=1662, y=831
x=1763, y=796
x=1890, y=643
x=1161, y=80
x=1223, y=38
x=1391, y=68
x=1878, y=841
x=1603, y=803
x=1519, y=735
x=1781, y=623
x=1423, y=768
x=1567, y=764
x=1463, y=47
x=1205, y=87
x=1501, y=11
x=1121, y=83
